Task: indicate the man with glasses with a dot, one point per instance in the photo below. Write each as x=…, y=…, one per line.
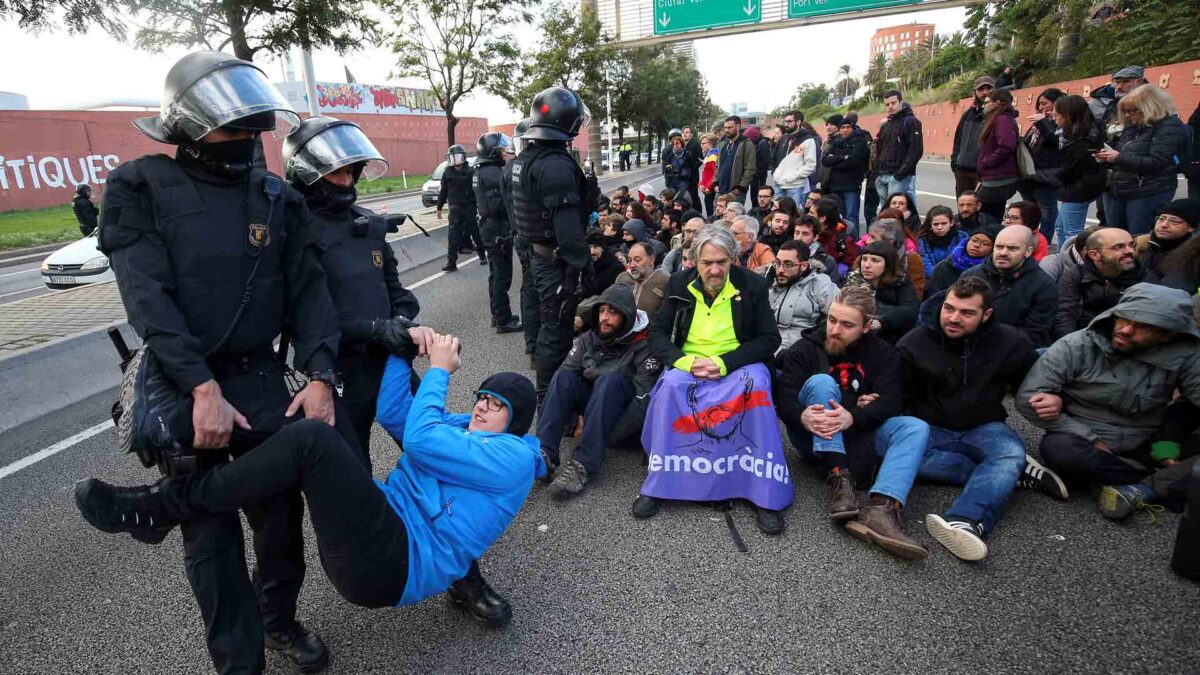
x=1110, y=267
x=800, y=295
x=965, y=156
x=764, y=200
x=673, y=261
x=754, y=255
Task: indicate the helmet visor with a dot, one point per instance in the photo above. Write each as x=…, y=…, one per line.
x=230, y=94
x=335, y=147
x=585, y=117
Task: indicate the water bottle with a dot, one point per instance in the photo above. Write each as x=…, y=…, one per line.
x=1186, y=559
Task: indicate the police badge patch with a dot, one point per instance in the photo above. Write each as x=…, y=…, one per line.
x=377, y=258
x=260, y=235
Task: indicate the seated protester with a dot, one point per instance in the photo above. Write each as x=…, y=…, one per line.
x=836, y=251
x=957, y=367
x=672, y=261
x=788, y=205
x=763, y=204
x=1181, y=270
x=1022, y=294
x=895, y=298
x=1070, y=252
x=890, y=230
x=1176, y=223
x=1029, y=215
x=938, y=237
x=606, y=377
x=834, y=234
x=667, y=198
x=908, y=236
x=840, y=397
x=605, y=266
x=1110, y=268
x=634, y=232
x=778, y=229
x=1104, y=396
x=635, y=210
x=969, y=253
x=810, y=201
x=383, y=543
x=613, y=233
x=911, y=218
x=717, y=334
x=719, y=205
x=970, y=216
x=799, y=295
x=732, y=211
x=754, y=254
x=647, y=283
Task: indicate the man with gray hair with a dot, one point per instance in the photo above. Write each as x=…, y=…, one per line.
x=710, y=431
x=732, y=211
x=752, y=253
x=1023, y=294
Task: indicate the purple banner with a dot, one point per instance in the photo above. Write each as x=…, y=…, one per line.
x=710, y=441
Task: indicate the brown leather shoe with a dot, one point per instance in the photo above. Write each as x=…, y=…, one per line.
x=843, y=503
x=880, y=523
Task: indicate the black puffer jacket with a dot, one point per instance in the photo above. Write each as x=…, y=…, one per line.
x=1042, y=141
x=846, y=159
x=1026, y=298
x=897, y=304
x=1151, y=157
x=86, y=213
x=1080, y=177
x=965, y=154
x=1083, y=293
x=960, y=383
x=900, y=145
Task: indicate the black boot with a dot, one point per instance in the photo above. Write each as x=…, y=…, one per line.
x=140, y=511
x=513, y=325
x=472, y=594
x=300, y=646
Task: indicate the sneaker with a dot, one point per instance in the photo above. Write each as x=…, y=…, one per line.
x=1118, y=502
x=472, y=594
x=136, y=510
x=551, y=468
x=300, y=646
x=569, y=480
x=646, y=507
x=768, y=521
x=513, y=325
x=450, y=267
x=961, y=536
x=1038, y=477
x=879, y=522
x=843, y=503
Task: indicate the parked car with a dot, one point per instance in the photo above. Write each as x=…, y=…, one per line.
x=431, y=188
x=76, y=264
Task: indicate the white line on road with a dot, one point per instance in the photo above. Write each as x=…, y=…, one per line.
x=954, y=199
x=13, y=274
x=54, y=449
x=31, y=256
x=5, y=295
x=439, y=275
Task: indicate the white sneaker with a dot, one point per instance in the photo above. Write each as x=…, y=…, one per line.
x=964, y=539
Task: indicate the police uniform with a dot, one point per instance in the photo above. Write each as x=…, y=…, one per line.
x=211, y=256
x=457, y=191
x=488, y=183
x=531, y=323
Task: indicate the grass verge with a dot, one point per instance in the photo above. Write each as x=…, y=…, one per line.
x=390, y=184
x=22, y=229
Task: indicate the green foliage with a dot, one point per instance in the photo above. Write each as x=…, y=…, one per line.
x=77, y=15
x=1152, y=32
x=34, y=227
x=810, y=99
x=656, y=89
x=387, y=184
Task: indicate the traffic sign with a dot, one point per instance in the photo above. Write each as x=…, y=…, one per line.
x=678, y=16
x=799, y=9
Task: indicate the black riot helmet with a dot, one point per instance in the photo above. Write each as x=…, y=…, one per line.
x=83, y=190
x=493, y=145
x=456, y=155
x=322, y=145
x=557, y=114
x=519, y=135
x=210, y=90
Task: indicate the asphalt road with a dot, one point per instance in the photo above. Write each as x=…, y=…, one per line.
x=594, y=590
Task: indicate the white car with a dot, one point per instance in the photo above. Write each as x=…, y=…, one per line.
x=76, y=264
x=431, y=188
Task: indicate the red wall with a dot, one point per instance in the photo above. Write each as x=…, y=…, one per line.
x=93, y=143
x=1180, y=80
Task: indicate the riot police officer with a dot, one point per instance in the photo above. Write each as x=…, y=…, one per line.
x=551, y=204
x=492, y=150
x=85, y=211
x=211, y=255
x=324, y=159
x=530, y=321
x=456, y=189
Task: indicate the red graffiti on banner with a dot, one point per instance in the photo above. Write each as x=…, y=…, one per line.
x=712, y=416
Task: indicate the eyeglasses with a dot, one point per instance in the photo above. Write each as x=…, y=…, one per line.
x=493, y=404
x=789, y=265
x=1009, y=217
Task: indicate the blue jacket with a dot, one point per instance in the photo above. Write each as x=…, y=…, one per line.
x=932, y=255
x=455, y=490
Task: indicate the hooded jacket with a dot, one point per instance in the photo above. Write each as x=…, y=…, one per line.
x=846, y=159
x=960, y=383
x=899, y=146
x=629, y=354
x=965, y=155
x=1151, y=156
x=86, y=213
x=801, y=304
x=897, y=304
x=1026, y=298
x=1055, y=263
x=1083, y=292
x=1119, y=398
x=796, y=168
x=998, y=153
x=456, y=490
x=638, y=229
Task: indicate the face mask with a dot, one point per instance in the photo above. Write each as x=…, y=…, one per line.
x=229, y=159
x=324, y=196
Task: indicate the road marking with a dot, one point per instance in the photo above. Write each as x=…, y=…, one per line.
x=953, y=199
x=439, y=275
x=31, y=256
x=54, y=449
x=35, y=288
x=13, y=274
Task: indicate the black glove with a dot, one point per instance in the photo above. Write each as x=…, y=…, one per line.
x=393, y=335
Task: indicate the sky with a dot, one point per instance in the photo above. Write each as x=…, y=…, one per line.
x=761, y=69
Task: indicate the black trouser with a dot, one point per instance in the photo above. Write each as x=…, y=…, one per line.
x=556, y=302
x=362, y=541
x=870, y=203
x=710, y=199
x=362, y=372
x=500, y=255
x=964, y=180
x=694, y=192
x=994, y=198
x=463, y=228
x=531, y=322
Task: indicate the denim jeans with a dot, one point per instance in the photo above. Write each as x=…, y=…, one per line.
x=1046, y=197
x=1072, y=218
x=850, y=204
x=799, y=194
x=1135, y=215
x=900, y=441
x=601, y=402
x=887, y=185
x=988, y=460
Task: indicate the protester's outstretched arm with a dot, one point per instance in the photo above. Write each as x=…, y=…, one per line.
x=1050, y=375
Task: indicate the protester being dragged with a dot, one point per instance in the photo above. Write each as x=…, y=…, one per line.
x=1176, y=223
x=895, y=298
x=1080, y=177
x=968, y=253
x=998, y=153
x=1022, y=294
x=718, y=336
x=846, y=158
x=799, y=294
x=1110, y=267
x=1071, y=253
x=938, y=237
x=1029, y=215
x=970, y=216
x=1106, y=398
x=1041, y=139
x=754, y=255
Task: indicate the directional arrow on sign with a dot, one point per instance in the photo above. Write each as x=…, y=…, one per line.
x=664, y=20
x=672, y=17
x=749, y=8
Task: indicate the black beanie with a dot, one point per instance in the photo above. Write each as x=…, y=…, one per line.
x=1187, y=210
x=990, y=231
x=516, y=392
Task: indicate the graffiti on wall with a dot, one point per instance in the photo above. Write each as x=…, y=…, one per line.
x=335, y=97
x=33, y=173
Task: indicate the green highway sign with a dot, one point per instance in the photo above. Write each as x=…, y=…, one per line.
x=800, y=9
x=678, y=16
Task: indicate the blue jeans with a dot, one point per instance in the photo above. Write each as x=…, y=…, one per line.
x=850, y=204
x=887, y=185
x=601, y=402
x=798, y=194
x=1072, y=218
x=1135, y=215
x=1046, y=197
x=900, y=441
x=988, y=460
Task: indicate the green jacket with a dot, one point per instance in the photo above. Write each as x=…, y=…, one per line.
x=744, y=162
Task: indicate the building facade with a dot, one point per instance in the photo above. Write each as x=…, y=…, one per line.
x=895, y=40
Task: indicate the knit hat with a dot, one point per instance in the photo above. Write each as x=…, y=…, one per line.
x=516, y=392
x=984, y=81
x=989, y=231
x=1130, y=73
x=835, y=119
x=1186, y=209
